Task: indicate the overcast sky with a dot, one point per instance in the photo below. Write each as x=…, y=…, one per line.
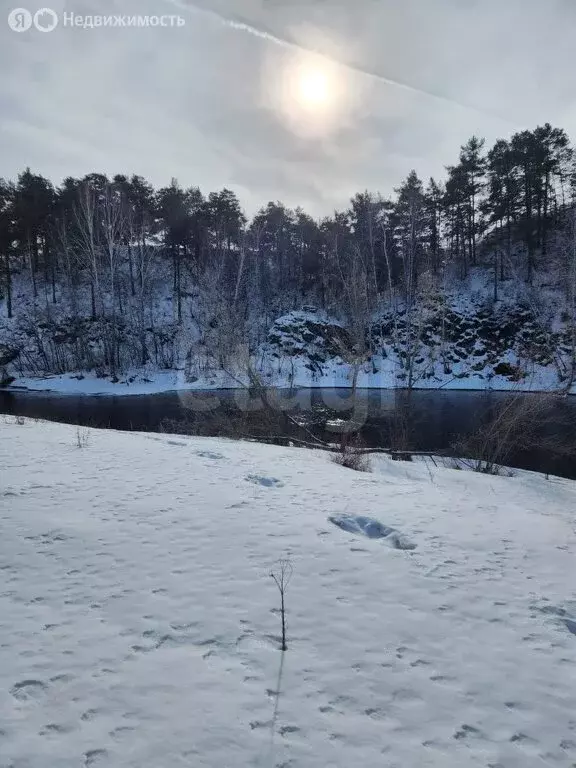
x=209, y=103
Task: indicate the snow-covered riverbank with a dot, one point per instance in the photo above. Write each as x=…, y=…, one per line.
x=139, y=624
x=149, y=382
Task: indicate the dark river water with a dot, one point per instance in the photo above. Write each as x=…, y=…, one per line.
x=420, y=420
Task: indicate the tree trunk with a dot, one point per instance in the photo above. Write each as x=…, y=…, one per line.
x=496, y=275
x=179, y=287
x=131, y=271
x=53, y=278
x=508, y=247
x=32, y=266
x=8, y=284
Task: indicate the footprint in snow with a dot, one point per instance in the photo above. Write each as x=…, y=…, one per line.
x=209, y=455
x=372, y=529
x=467, y=731
x=48, y=538
x=28, y=690
x=256, y=725
x=56, y=729
x=570, y=626
x=266, y=482
x=558, y=614
x=95, y=757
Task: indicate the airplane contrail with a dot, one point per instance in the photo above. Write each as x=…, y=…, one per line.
x=264, y=34
x=233, y=23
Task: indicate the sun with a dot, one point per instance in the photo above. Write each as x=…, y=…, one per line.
x=313, y=88
x=310, y=93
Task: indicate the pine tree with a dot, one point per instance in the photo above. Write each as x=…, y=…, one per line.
x=473, y=166
x=367, y=219
x=34, y=204
x=542, y=157
x=455, y=206
x=410, y=219
x=7, y=238
x=434, y=198
x=174, y=213
x=464, y=188
x=501, y=205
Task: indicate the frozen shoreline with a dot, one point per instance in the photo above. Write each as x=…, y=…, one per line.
x=174, y=381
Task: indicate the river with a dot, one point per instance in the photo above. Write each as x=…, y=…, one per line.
x=420, y=421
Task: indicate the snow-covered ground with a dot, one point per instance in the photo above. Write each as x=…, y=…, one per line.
x=335, y=376
x=141, y=382
x=139, y=624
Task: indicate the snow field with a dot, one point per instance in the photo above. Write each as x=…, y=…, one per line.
x=139, y=625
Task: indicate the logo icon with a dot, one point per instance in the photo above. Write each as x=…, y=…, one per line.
x=45, y=20
x=19, y=20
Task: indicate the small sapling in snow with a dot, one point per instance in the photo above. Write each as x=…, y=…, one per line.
x=282, y=575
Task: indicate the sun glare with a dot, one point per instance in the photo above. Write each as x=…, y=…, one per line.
x=311, y=93
x=313, y=88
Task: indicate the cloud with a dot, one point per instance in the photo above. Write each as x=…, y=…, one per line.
x=204, y=103
x=242, y=25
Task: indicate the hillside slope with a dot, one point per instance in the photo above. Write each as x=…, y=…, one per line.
x=456, y=339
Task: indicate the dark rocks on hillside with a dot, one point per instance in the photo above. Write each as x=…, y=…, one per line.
x=479, y=339
x=5, y=378
x=319, y=340
x=8, y=354
x=481, y=335
x=511, y=372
